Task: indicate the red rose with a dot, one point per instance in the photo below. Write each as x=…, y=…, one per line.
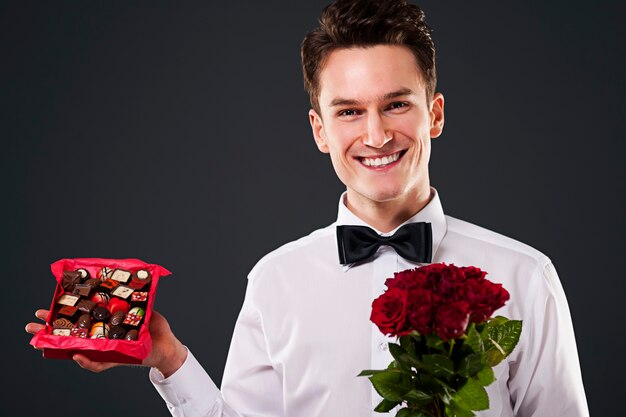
x=452, y=319
x=422, y=307
x=484, y=297
x=408, y=279
x=389, y=311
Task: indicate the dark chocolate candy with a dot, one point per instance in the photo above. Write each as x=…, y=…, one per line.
x=117, y=318
x=121, y=275
x=84, y=321
x=68, y=312
x=137, y=284
x=70, y=278
x=139, y=297
x=78, y=332
x=108, y=284
x=82, y=289
x=99, y=331
x=132, y=335
x=92, y=282
x=132, y=320
x=100, y=314
x=116, y=332
x=62, y=323
x=101, y=298
x=84, y=274
x=86, y=306
x=105, y=273
x=143, y=275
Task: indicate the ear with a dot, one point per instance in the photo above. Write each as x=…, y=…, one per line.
x=317, y=126
x=436, y=115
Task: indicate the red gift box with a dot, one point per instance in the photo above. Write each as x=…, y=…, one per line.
x=101, y=350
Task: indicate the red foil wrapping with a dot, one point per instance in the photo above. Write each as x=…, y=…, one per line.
x=101, y=350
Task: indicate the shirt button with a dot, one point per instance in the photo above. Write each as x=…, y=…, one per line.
x=383, y=346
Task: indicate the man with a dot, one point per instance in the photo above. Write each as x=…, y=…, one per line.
x=303, y=333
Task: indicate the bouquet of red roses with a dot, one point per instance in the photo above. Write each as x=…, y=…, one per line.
x=448, y=342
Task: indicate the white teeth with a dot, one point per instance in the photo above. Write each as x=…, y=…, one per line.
x=379, y=162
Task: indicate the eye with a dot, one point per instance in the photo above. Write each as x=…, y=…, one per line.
x=347, y=113
x=398, y=105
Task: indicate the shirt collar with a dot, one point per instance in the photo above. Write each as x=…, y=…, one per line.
x=431, y=213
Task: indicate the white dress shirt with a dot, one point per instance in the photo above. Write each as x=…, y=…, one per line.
x=304, y=333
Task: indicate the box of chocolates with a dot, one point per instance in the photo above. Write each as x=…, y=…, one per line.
x=101, y=309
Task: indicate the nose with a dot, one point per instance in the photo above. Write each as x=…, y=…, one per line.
x=376, y=136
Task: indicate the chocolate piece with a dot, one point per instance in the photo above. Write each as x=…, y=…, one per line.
x=92, y=282
x=105, y=273
x=117, y=318
x=100, y=314
x=68, y=299
x=121, y=275
x=101, y=298
x=118, y=305
x=68, y=312
x=132, y=335
x=62, y=323
x=132, y=319
x=143, y=275
x=84, y=274
x=108, y=284
x=139, y=297
x=70, y=278
x=86, y=306
x=82, y=290
x=61, y=332
x=99, y=331
x=84, y=321
x=117, y=332
x=137, y=284
x=122, y=291
x=78, y=332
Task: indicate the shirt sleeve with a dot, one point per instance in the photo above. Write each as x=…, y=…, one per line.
x=251, y=386
x=191, y=392
x=545, y=377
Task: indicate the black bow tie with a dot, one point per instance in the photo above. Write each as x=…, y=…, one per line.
x=412, y=241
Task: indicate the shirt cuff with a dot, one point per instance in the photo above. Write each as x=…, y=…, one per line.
x=189, y=390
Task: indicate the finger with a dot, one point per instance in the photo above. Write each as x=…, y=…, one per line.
x=92, y=366
x=33, y=328
x=41, y=314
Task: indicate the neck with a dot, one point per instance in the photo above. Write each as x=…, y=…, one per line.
x=385, y=216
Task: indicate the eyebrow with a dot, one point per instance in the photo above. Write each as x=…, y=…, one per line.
x=338, y=101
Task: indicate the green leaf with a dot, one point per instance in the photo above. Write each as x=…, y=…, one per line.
x=471, y=396
x=474, y=341
x=403, y=358
x=386, y=405
x=438, y=365
x=485, y=376
x=500, y=337
x=435, y=342
x=472, y=364
x=368, y=372
x=389, y=385
x=451, y=410
x=416, y=396
x=409, y=412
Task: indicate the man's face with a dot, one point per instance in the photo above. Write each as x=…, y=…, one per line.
x=376, y=123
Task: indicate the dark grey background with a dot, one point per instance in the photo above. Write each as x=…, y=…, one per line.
x=178, y=134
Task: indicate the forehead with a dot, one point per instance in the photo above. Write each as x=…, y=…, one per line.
x=363, y=74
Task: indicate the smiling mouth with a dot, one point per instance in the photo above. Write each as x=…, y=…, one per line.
x=380, y=162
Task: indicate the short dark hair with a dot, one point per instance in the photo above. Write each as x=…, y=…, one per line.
x=365, y=23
